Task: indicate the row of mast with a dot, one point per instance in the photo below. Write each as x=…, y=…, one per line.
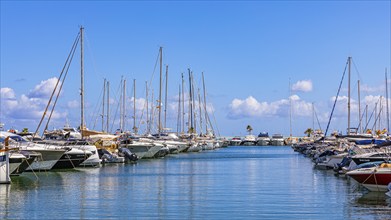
x=377, y=116
x=149, y=116
x=191, y=119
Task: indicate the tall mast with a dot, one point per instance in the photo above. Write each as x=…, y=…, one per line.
x=134, y=107
x=183, y=105
x=124, y=107
x=359, y=106
x=313, y=117
x=179, y=111
x=388, y=114
x=193, y=103
x=160, y=93
x=152, y=111
x=146, y=98
x=349, y=61
x=199, y=107
x=121, y=110
x=380, y=110
x=375, y=118
x=108, y=107
x=206, y=113
x=103, y=104
x=190, y=105
x=82, y=79
x=165, y=100
x=290, y=109
x=366, y=115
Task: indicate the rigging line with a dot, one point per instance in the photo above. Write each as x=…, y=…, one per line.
x=149, y=85
x=210, y=122
x=59, y=90
x=336, y=98
x=116, y=110
x=214, y=118
x=62, y=71
x=361, y=118
x=377, y=116
x=370, y=117
x=89, y=48
x=154, y=69
x=95, y=114
x=132, y=101
x=359, y=76
x=355, y=67
x=317, y=119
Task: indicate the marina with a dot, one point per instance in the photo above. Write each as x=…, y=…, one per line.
x=195, y=110
x=233, y=182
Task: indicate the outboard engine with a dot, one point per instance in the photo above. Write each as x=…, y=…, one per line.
x=105, y=155
x=125, y=152
x=344, y=163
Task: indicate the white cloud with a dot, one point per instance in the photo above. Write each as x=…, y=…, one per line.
x=7, y=93
x=303, y=86
x=73, y=104
x=140, y=104
x=28, y=107
x=8, y=100
x=44, y=89
x=252, y=108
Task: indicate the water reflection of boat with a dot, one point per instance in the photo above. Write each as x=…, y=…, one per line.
x=374, y=198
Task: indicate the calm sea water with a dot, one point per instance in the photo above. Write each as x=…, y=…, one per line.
x=228, y=183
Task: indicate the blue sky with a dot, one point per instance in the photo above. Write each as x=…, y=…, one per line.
x=250, y=53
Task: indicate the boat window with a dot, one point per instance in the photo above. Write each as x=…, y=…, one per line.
x=18, y=138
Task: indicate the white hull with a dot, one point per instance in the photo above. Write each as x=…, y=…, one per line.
x=194, y=148
x=277, y=142
x=181, y=146
x=91, y=161
x=14, y=166
x=206, y=146
x=143, y=149
x=331, y=162
x=46, y=160
x=263, y=142
x=235, y=143
x=4, y=168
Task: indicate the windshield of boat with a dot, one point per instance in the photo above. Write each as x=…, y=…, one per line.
x=18, y=138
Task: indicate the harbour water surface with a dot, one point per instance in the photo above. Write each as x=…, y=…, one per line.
x=228, y=183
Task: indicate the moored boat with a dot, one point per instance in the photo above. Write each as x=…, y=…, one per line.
x=235, y=141
x=263, y=139
x=373, y=178
x=49, y=154
x=249, y=140
x=4, y=165
x=277, y=140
